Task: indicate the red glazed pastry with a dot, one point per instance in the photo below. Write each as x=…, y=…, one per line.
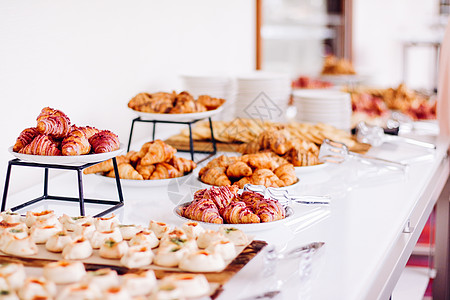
x=203, y=210
x=76, y=143
x=104, y=141
x=221, y=195
x=48, y=112
x=238, y=213
x=25, y=137
x=55, y=126
x=268, y=210
x=41, y=145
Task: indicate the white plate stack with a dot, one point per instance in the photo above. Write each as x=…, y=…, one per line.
x=214, y=85
x=263, y=95
x=324, y=106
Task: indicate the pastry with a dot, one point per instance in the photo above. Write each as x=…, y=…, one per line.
x=116, y=293
x=208, y=237
x=145, y=238
x=174, y=233
x=192, y=229
x=99, y=237
x=167, y=291
x=183, y=165
x=105, y=166
x=137, y=257
x=237, y=212
x=104, y=141
x=41, y=145
x=70, y=223
x=209, y=102
x=268, y=210
x=8, y=294
x=237, y=236
x=164, y=171
x=128, y=231
x=139, y=283
x=215, y=176
x=239, y=169
x=79, y=248
x=106, y=223
x=46, y=215
x=85, y=230
x=54, y=126
x=169, y=256
x=77, y=291
x=88, y=130
x=7, y=234
x=49, y=112
x=75, y=143
x=41, y=233
x=156, y=152
x=14, y=274
x=58, y=241
x=11, y=217
x=112, y=249
x=37, y=288
x=226, y=249
x=18, y=246
x=5, y=225
x=126, y=171
x=203, y=210
x=145, y=171
x=101, y=278
x=191, y=285
x=63, y=272
x=25, y=137
x=202, y=261
x=159, y=228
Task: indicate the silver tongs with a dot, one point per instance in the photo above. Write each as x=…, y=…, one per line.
x=336, y=152
x=375, y=136
x=283, y=196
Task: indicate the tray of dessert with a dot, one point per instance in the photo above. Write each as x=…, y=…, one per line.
x=155, y=164
x=42, y=237
x=54, y=140
x=243, y=209
x=181, y=107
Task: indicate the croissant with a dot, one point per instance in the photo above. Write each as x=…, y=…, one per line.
x=286, y=173
x=164, y=171
x=275, y=140
x=300, y=157
x=158, y=152
x=104, y=141
x=105, y=166
x=209, y=102
x=305, y=145
x=25, y=137
x=239, y=169
x=222, y=195
x=268, y=210
x=267, y=178
x=161, y=102
x=88, y=131
x=187, y=105
x=183, y=165
x=203, y=210
x=221, y=161
x=243, y=181
x=145, y=171
x=54, y=125
x=262, y=160
x=41, y=145
x=237, y=212
x=48, y=112
x=126, y=171
x=76, y=143
x=215, y=176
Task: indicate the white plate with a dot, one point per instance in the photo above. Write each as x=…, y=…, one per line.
x=310, y=169
x=75, y=160
x=292, y=186
x=178, y=117
x=244, y=227
x=142, y=183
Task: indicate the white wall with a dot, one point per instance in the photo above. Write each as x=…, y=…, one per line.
x=89, y=57
x=379, y=29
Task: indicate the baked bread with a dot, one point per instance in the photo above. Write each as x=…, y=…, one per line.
x=25, y=137
x=104, y=141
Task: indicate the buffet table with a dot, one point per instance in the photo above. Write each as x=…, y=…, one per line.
x=369, y=229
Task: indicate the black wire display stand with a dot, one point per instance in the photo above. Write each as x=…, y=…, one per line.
x=191, y=140
x=46, y=196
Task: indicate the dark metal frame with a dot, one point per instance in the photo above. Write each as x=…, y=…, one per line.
x=46, y=196
x=191, y=140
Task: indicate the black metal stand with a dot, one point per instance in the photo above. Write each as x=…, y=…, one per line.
x=46, y=196
x=191, y=140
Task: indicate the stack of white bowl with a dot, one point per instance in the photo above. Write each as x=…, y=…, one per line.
x=324, y=106
x=212, y=84
x=263, y=95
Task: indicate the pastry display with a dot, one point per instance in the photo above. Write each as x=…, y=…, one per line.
x=173, y=103
x=155, y=160
x=264, y=168
x=54, y=135
x=232, y=208
x=337, y=66
x=63, y=272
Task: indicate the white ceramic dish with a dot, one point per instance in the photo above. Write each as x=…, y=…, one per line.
x=289, y=187
x=244, y=227
x=74, y=160
x=178, y=117
x=142, y=183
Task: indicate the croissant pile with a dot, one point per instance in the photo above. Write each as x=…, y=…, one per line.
x=55, y=135
x=265, y=168
x=224, y=205
x=173, y=103
x=155, y=160
x=295, y=150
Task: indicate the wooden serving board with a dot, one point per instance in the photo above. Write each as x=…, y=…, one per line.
x=217, y=280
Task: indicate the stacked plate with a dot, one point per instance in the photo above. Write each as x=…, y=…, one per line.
x=324, y=106
x=263, y=95
x=215, y=85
